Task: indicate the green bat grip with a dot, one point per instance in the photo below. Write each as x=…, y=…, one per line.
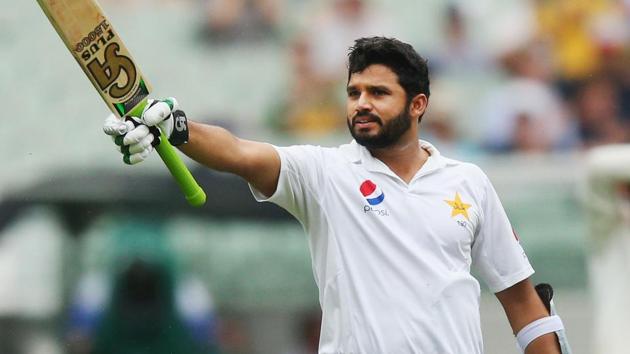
x=193, y=192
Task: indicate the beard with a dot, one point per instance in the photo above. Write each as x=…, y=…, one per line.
x=389, y=133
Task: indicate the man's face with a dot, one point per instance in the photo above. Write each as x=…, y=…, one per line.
x=377, y=107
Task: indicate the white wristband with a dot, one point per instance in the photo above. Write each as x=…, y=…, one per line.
x=538, y=328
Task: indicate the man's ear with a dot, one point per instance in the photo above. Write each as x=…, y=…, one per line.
x=418, y=105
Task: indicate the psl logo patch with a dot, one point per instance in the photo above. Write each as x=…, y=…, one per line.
x=459, y=207
x=372, y=193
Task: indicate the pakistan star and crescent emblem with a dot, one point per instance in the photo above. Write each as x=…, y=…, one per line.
x=459, y=207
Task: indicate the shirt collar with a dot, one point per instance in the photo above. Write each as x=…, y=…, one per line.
x=359, y=154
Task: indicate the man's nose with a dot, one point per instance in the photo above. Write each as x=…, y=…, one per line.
x=364, y=103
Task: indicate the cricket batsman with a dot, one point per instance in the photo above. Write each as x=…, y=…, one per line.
x=394, y=227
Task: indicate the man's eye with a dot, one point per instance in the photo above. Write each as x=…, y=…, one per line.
x=353, y=93
x=379, y=92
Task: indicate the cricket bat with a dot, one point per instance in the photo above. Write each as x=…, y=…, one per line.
x=100, y=52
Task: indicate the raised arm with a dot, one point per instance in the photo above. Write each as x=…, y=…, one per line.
x=214, y=147
x=258, y=163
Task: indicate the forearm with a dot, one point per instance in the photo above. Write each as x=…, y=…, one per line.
x=258, y=163
x=212, y=146
x=527, y=313
x=523, y=306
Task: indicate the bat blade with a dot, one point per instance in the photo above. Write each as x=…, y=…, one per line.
x=100, y=52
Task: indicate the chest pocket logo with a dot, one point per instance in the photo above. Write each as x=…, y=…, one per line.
x=459, y=207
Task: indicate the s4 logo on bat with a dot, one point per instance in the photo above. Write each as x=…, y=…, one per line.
x=113, y=72
x=109, y=71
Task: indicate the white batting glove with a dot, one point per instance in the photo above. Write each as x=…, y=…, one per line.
x=136, y=137
x=134, y=140
x=169, y=118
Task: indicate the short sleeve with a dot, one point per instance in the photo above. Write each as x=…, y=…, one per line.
x=300, y=182
x=496, y=252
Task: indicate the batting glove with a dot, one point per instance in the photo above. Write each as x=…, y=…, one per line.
x=136, y=137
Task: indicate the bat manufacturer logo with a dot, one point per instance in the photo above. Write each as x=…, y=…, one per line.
x=92, y=42
x=109, y=71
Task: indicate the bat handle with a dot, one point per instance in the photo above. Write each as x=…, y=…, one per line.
x=193, y=192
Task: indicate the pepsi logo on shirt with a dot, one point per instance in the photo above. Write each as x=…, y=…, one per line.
x=374, y=196
x=372, y=193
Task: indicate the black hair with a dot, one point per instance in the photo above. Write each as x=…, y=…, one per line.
x=400, y=57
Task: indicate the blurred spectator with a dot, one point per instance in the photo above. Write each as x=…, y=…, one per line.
x=251, y=20
x=501, y=26
x=458, y=53
x=524, y=113
x=597, y=108
x=145, y=310
x=310, y=106
x=577, y=32
x=440, y=125
x=616, y=69
x=332, y=33
x=439, y=129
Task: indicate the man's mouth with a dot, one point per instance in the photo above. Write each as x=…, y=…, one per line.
x=364, y=121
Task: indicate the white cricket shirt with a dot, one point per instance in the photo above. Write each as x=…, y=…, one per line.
x=392, y=260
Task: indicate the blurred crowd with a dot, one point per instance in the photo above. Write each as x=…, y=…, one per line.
x=567, y=85
x=550, y=75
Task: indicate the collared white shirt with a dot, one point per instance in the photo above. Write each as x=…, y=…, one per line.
x=392, y=260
